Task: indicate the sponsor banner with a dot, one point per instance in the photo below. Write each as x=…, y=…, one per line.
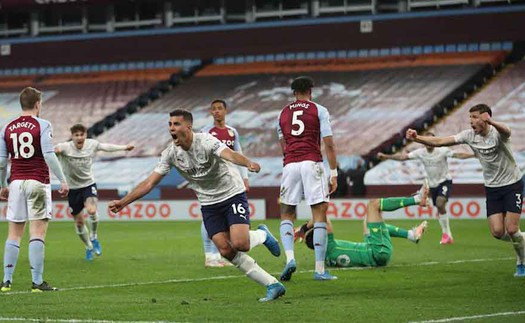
x=355, y=209
x=148, y=211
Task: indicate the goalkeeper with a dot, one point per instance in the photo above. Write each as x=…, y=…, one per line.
x=376, y=250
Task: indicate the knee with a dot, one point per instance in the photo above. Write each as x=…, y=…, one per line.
x=497, y=233
x=512, y=229
x=374, y=204
x=241, y=245
x=91, y=209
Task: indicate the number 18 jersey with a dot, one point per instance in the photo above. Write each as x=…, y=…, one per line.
x=26, y=139
x=302, y=124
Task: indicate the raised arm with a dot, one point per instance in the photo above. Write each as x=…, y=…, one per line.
x=502, y=128
x=142, y=189
x=397, y=156
x=411, y=134
x=239, y=159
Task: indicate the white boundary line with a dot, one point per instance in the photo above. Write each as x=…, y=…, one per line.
x=188, y=280
x=473, y=317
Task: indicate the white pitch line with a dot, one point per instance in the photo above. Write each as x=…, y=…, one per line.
x=473, y=317
x=25, y=319
x=188, y=280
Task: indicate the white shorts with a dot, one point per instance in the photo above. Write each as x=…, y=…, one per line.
x=304, y=179
x=28, y=200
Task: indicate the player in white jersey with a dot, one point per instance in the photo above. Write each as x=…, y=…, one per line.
x=434, y=161
x=208, y=165
x=76, y=157
x=230, y=137
x=490, y=141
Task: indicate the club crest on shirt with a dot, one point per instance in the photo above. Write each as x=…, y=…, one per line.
x=230, y=132
x=200, y=155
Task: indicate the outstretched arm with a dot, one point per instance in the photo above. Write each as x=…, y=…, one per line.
x=142, y=189
x=397, y=156
x=430, y=140
x=239, y=159
x=112, y=147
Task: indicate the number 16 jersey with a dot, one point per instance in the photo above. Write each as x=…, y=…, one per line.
x=302, y=124
x=26, y=139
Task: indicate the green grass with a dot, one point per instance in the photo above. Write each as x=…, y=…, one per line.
x=421, y=283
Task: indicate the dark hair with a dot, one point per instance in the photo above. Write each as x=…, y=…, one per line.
x=29, y=97
x=309, y=238
x=220, y=101
x=481, y=108
x=78, y=127
x=302, y=84
x=188, y=117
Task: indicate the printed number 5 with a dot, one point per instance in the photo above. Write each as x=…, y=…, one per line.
x=296, y=121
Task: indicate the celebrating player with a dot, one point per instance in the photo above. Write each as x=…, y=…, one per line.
x=207, y=165
x=436, y=166
x=230, y=137
x=76, y=157
x=490, y=141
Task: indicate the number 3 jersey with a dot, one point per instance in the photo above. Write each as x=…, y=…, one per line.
x=302, y=124
x=26, y=139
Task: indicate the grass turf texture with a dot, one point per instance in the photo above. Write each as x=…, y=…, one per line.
x=161, y=269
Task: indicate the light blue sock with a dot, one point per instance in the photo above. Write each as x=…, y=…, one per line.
x=11, y=251
x=320, y=242
x=286, y=230
x=36, y=259
x=209, y=246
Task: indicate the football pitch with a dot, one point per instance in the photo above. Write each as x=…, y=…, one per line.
x=155, y=272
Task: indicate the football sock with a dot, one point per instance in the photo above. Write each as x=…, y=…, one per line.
x=394, y=203
x=397, y=232
x=11, y=251
x=248, y=266
x=93, y=225
x=210, y=250
x=286, y=230
x=83, y=235
x=257, y=237
x=445, y=224
x=320, y=242
x=36, y=259
x=519, y=247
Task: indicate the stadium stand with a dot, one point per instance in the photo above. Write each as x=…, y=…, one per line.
x=504, y=95
x=82, y=97
x=370, y=100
